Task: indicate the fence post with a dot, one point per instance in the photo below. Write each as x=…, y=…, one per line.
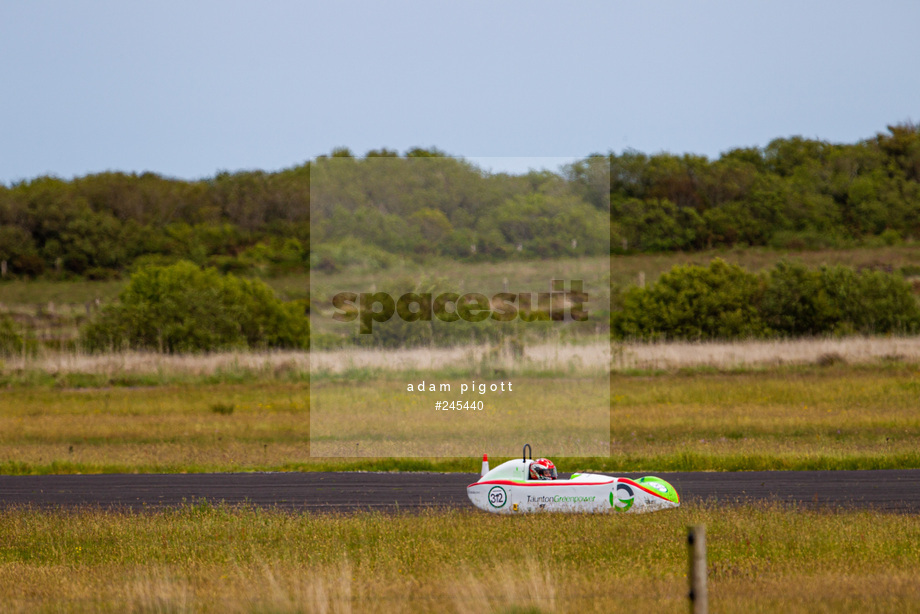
x=699, y=592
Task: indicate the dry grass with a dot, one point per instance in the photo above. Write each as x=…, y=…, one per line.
x=745, y=354
x=590, y=358
x=763, y=558
x=118, y=364
x=584, y=358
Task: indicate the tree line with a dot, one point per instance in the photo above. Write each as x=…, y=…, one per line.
x=100, y=226
x=793, y=193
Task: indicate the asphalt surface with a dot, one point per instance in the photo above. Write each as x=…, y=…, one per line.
x=895, y=490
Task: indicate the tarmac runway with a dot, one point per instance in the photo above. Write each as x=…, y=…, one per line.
x=894, y=490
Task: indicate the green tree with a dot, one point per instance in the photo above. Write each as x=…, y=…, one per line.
x=182, y=308
x=870, y=302
x=545, y=226
x=693, y=302
x=18, y=249
x=796, y=301
x=658, y=225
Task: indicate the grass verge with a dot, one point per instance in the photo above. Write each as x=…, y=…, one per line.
x=836, y=417
x=763, y=558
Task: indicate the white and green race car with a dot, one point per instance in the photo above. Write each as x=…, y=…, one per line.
x=526, y=485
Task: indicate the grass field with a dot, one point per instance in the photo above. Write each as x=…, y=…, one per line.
x=811, y=404
x=837, y=416
x=764, y=558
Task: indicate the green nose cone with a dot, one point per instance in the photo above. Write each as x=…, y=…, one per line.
x=660, y=487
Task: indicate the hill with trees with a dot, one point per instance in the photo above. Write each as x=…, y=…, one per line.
x=793, y=193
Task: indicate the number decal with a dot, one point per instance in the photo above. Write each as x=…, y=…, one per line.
x=497, y=497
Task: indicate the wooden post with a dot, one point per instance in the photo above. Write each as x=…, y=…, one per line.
x=699, y=592
x=2, y=268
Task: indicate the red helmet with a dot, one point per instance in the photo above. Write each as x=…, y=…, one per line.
x=543, y=469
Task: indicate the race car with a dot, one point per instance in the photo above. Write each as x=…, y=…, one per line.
x=526, y=485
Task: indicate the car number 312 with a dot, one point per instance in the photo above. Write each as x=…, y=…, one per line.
x=497, y=496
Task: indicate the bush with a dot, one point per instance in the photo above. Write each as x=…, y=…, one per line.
x=726, y=302
x=182, y=308
x=693, y=302
x=870, y=302
x=796, y=301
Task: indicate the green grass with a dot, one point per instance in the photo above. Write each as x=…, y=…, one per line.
x=42, y=291
x=807, y=417
x=763, y=558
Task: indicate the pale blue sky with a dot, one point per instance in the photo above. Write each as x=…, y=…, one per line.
x=186, y=89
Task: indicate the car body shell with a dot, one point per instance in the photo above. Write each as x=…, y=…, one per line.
x=507, y=490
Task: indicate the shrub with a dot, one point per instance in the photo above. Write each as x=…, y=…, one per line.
x=870, y=302
x=726, y=302
x=693, y=302
x=182, y=308
x=796, y=301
